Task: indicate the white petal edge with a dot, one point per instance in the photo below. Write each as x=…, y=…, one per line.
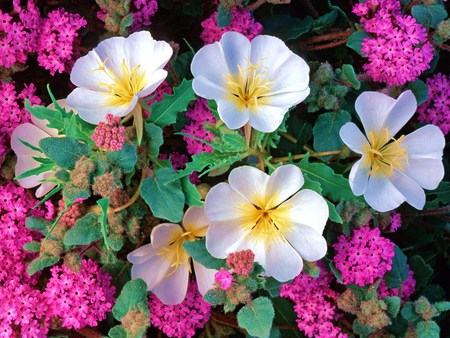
x=373, y=109
x=250, y=183
x=29, y=133
x=284, y=182
x=382, y=195
x=353, y=137
x=195, y=220
x=425, y=142
x=307, y=242
x=404, y=108
x=412, y=191
x=267, y=118
x=205, y=278
x=172, y=289
x=229, y=114
x=358, y=178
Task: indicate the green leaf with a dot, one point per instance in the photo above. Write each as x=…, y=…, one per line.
x=422, y=271
x=38, y=224
x=126, y=22
x=36, y=171
x=441, y=195
x=191, y=194
x=154, y=138
x=197, y=250
x=166, y=200
x=103, y=203
x=272, y=286
x=257, y=318
x=409, y=313
x=399, y=271
x=224, y=16
x=326, y=131
x=438, y=14
x=335, y=186
x=442, y=306
x=286, y=27
x=355, y=40
x=422, y=15
x=72, y=193
x=64, y=151
x=117, y=331
x=133, y=295
x=215, y=297
x=54, y=117
x=349, y=76
x=32, y=246
x=285, y=316
x=420, y=90
x=85, y=231
x=79, y=129
x=165, y=112
x=428, y=329
x=334, y=216
x=363, y=330
x=393, y=305
x=230, y=143
x=41, y=263
x=324, y=21
x=125, y=158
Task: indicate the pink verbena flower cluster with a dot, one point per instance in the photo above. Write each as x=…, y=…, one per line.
x=436, y=109
x=364, y=256
x=241, y=262
x=197, y=116
x=395, y=221
x=12, y=111
x=143, y=10
x=53, y=38
x=183, y=319
x=399, y=51
x=79, y=299
x=241, y=22
x=22, y=311
x=58, y=34
x=407, y=289
x=73, y=213
x=158, y=95
x=223, y=278
x=178, y=162
x=314, y=304
x=109, y=136
x=15, y=204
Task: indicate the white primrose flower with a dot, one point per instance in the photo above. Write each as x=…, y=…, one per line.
x=252, y=82
x=267, y=214
x=116, y=74
x=164, y=264
x=392, y=170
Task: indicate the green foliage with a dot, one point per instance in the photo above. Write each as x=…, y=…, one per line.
x=216, y=297
x=285, y=317
x=399, y=271
x=103, y=203
x=355, y=40
x=286, y=27
x=165, y=112
x=117, y=331
x=422, y=271
x=325, y=21
x=420, y=90
x=326, y=131
x=349, y=75
x=163, y=195
x=85, y=231
x=429, y=16
x=197, y=250
x=64, y=151
x=32, y=246
x=41, y=263
x=38, y=224
x=257, y=318
x=124, y=159
x=54, y=117
x=272, y=286
x=132, y=296
x=44, y=167
x=362, y=330
x=393, y=305
x=153, y=138
x=428, y=329
x=191, y=194
x=439, y=196
x=224, y=16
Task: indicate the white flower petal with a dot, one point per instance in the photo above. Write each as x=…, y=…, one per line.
x=205, y=278
x=382, y=195
x=353, y=137
x=403, y=109
x=230, y=116
x=425, y=142
x=410, y=189
x=42, y=124
x=164, y=234
x=86, y=73
x=309, y=244
x=29, y=133
x=250, y=183
x=112, y=51
x=428, y=172
x=225, y=237
x=172, y=289
x=152, y=271
x=358, y=178
x=373, y=109
x=209, y=63
x=93, y=106
x=207, y=89
x=155, y=80
x=287, y=99
x=306, y=208
x=284, y=182
x=267, y=118
x=23, y=164
x=142, y=254
x=45, y=187
x=195, y=220
x=236, y=50
x=282, y=262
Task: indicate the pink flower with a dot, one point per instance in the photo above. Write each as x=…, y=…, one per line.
x=109, y=136
x=224, y=278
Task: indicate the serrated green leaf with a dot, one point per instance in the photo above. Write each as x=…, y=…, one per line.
x=103, y=203
x=133, y=295
x=257, y=318
x=286, y=27
x=333, y=215
x=428, y=329
x=393, y=305
x=197, y=250
x=125, y=158
x=191, y=194
x=85, y=231
x=355, y=40
x=64, y=151
x=335, y=186
x=54, y=117
x=326, y=131
x=79, y=129
x=153, y=138
x=422, y=271
x=224, y=16
x=163, y=195
x=230, y=143
x=36, y=171
x=399, y=271
x=420, y=90
x=349, y=75
x=41, y=263
x=165, y=112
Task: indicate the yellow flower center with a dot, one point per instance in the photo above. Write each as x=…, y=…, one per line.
x=383, y=154
x=125, y=83
x=248, y=88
